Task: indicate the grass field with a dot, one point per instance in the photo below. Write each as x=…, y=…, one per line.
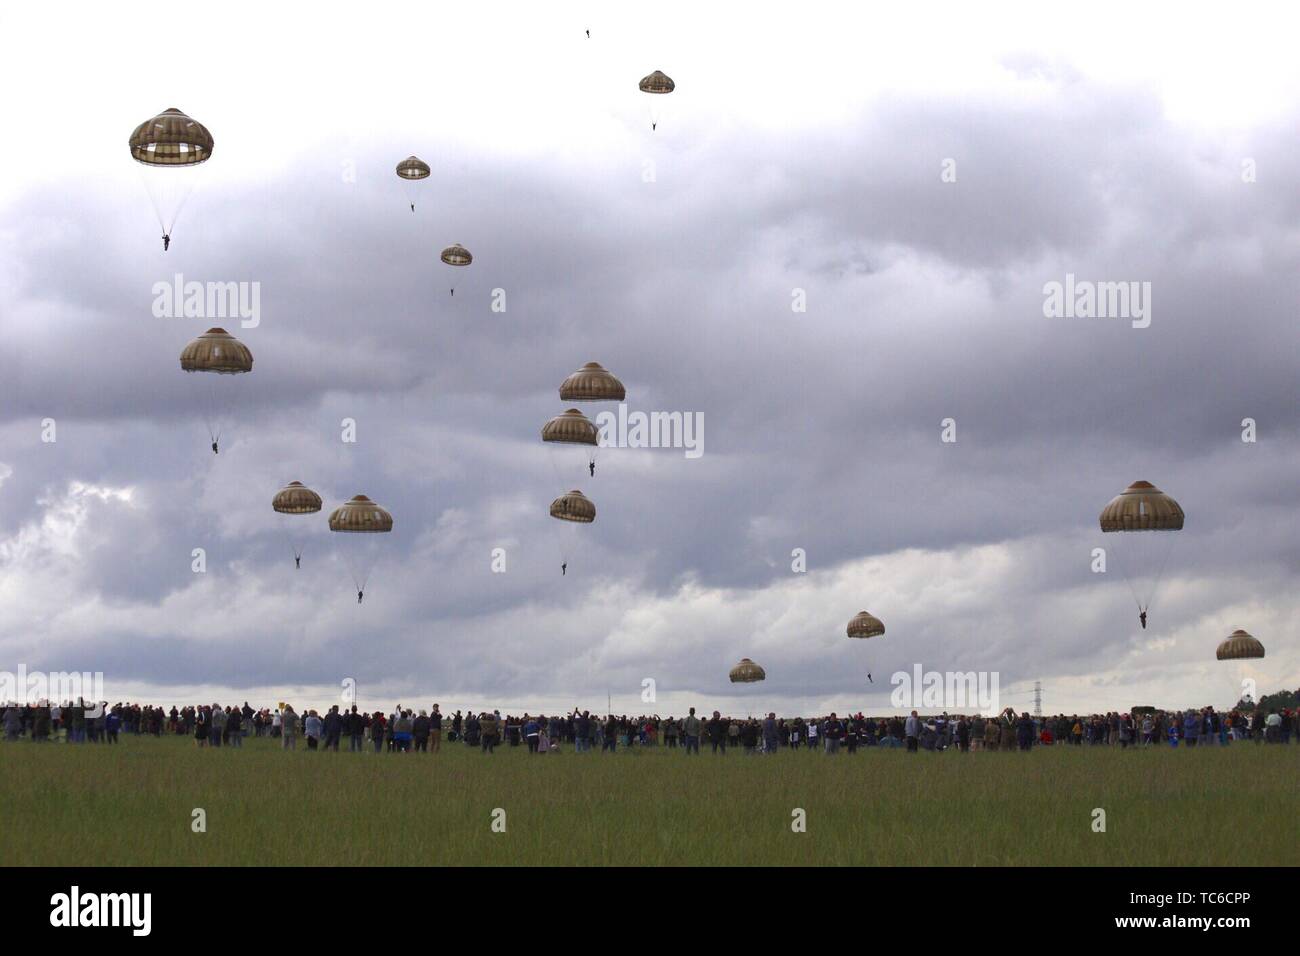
x=133, y=804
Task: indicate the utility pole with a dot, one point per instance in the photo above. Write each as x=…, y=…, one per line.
x=1038, y=698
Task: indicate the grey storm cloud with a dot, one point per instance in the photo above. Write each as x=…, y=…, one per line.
x=925, y=301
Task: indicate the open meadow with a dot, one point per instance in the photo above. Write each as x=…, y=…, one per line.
x=133, y=804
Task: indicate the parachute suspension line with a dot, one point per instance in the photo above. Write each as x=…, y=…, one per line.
x=1128, y=578
x=1160, y=570
x=153, y=197
x=167, y=195
x=210, y=415
x=558, y=539
x=180, y=205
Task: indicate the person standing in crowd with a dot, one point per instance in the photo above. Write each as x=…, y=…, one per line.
x=234, y=728
x=435, y=729
x=717, y=729
x=581, y=731
x=1025, y=731
x=402, y=732
x=770, y=733
x=354, y=725
x=834, y=733
x=312, y=730
x=13, y=722
x=332, y=728
x=420, y=732
x=288, y=728
x=912, y=729
x=218, y=727
x=691, y=733
x=488, y=730
x=1273, y=728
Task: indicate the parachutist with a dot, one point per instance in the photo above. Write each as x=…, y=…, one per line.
x=360, y=595
x=1142, y=616
x=564, y=568
x=167, y=241
x=588, y=34
x=653, y=126
x=412, y=207
x=214, y=448
x=297, y=561
x=453, y=291
x=869, y=680
x=591, y=466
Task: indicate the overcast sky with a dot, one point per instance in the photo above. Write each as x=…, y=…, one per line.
x=800, y=151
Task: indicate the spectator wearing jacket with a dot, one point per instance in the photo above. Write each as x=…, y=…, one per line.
x=912, y=730
x=288, y=728
x=332, y=728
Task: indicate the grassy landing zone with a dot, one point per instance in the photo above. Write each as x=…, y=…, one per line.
x=133, y=804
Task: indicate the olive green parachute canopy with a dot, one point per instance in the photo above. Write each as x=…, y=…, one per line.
x=360, y=515
x=171, y=139
x=1239, y=646
x=216, y=350
x=571, y=428
x=657, y=82
x=575, y=506
x=413, y=168
x=592, y=383
x=1142, y=507
x=747, y=672
x=456, y=255
x=866, y=625
x=295, y=498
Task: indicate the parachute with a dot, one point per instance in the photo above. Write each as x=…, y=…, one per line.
x=1139, y=513
x=412, y=170
x=574, y=509
x=747, y=672
x=572, y=430
x=456, y=255
x=223, y=356
x=866, y=625
x=658, y=83
x=1239, y=646
x=592, y=383
x=360, y=519
x=169, y=146
x=295, y=498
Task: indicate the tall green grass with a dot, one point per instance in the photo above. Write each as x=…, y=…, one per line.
x=132, y=804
